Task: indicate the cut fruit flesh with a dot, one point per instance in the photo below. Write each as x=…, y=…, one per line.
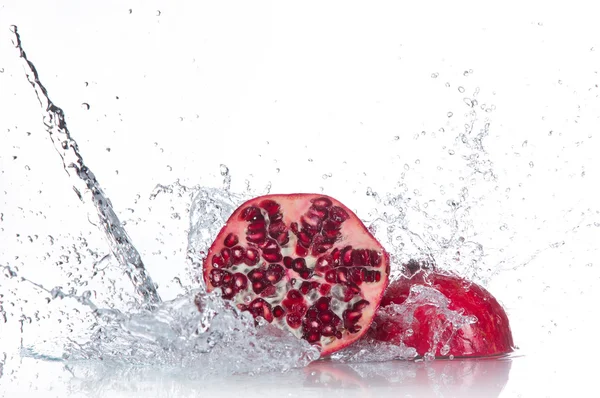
x=303, y=262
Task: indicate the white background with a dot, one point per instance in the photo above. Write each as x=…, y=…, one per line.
x=287, y=93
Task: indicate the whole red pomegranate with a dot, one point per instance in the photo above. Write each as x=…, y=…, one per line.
x=489, y=335
x=303, y=262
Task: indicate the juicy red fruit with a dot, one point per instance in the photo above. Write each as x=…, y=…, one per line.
x=303, y=262
x=490, y=335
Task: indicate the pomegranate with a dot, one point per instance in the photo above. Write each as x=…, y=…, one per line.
x=489, y=335
x=303, y=262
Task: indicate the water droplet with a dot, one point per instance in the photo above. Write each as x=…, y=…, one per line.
x=461, y=89
x=447, y=84
x=397, y=137
x=1, y=70
x=310, y=160
x=224, y=170
x=130, y=11
x=277, y=170
x=503, y=227
x=158, y=13
x=418, y=161
x=451, y=151
x=85, y=106
x=434, y=75
x=449, y=114
x=445, y=350
x=406, y=167
x=531, y=165
x=524, y=144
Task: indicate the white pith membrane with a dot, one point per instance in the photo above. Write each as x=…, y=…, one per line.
x=336, y=300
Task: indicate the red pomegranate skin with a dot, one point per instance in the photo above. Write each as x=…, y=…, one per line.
x=489, y=336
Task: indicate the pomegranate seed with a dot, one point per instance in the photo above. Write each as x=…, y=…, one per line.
x=298, y=264
x=294, y=321
x=301, y=251
x=360, y=305
x=257, y=226
x=312, y=325
x=314, y=212
x=269, y=291
x=338, y=214
x=351, y=291
x=335, y=256
x=352, y=316
x=299, y=308
x=357, y=275
x=347, y=255
x=272, y=257
x=311, y=224
x=312, y=337
x=275, y=273
x=322, y=303
x=228, y=292
x=237, y=255
x=305, y=287
x=287, y=261
x=269, y=245
x=251, y=214
x=258, y=286
x=312, y=313
x=256, y=275
x=375, y=258
x=330, y=276
x=251, y=257
x=270, y=206
x=240, y=281
x=278, y=312
x=358, y=257
x=304, y=239
x=328, y=331
x=231, y=240
x=294, y=295
x=217, y=261
x=324, y=289
x=216, y=277
x=321, y=202
x=226, y=255
x=257, y=237
x=305, y=273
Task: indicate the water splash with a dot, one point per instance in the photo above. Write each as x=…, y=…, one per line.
x=87, y=187
x=403, y=316
x=199, y=331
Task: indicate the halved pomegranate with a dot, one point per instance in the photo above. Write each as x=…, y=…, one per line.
x=489, y=335
x=303, y=262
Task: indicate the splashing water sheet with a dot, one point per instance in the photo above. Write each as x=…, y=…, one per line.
x=447, y=155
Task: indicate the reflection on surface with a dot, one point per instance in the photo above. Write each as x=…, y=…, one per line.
x=439, y=378
x=484, y=377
